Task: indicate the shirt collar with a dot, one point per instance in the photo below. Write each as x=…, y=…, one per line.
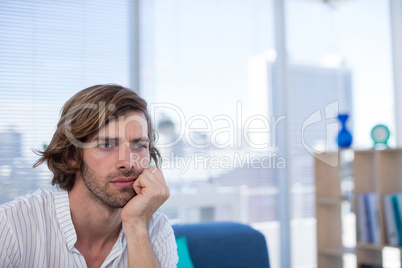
x=63, y=213
x=62, y=205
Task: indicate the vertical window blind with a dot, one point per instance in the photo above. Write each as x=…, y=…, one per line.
x=206, y=60
x=49, y=50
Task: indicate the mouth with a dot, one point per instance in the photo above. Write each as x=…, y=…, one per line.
x=123, y=182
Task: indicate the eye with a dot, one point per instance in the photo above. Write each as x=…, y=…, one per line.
x=139, y=146
x=106, y=145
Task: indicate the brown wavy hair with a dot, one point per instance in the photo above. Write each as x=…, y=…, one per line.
x=83, y=116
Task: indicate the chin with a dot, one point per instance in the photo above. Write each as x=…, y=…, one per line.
x=123, y=200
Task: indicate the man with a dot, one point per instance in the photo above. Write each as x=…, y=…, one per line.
x=104, y=211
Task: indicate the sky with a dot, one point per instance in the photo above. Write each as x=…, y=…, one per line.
x=202, y=50
x=358, y=32
x=195, y=56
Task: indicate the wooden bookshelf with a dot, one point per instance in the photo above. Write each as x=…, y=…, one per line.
x=373, y=171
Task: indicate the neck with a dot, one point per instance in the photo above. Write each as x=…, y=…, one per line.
x=95, y=223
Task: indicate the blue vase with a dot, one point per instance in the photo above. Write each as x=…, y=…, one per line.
x=344, y=138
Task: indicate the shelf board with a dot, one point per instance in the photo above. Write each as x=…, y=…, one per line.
x=335, y=251
x=371, y=151
x=370, y=246
x=330, y=200
x=376, y=247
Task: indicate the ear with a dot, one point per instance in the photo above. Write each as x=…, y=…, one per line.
x=72, y=159
x=72, y=162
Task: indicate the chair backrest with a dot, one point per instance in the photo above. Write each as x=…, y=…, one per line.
x=224, y=245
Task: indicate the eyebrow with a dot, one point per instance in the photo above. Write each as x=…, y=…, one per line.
x=142, y=139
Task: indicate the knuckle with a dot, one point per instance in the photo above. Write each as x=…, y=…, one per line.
x=167, y=192
x=156, y=192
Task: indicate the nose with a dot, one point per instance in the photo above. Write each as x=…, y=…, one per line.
x=124, y=162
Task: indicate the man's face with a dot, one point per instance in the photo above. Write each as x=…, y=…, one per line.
x=119, y=157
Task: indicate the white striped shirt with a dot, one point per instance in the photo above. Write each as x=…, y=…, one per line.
x=37, y=231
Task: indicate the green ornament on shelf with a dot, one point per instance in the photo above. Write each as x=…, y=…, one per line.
x=380, y=135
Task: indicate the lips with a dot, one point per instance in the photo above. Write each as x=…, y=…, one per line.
x=123, y=182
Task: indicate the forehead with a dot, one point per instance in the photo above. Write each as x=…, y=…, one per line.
x=131, y=125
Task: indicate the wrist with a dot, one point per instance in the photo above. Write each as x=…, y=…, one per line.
x=135, y=227
x=134, y=220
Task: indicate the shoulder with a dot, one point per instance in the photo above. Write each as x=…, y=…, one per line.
x=159, y=227
x=23, y=208
x=28, y=200
x=18, y=221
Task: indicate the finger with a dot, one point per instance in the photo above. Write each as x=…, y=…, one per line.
x=158, y=175
x=150, y=182
x=155, y=175
x=142, y=182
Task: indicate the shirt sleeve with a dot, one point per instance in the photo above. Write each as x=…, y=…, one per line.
x=8, y=244
x=164, y=242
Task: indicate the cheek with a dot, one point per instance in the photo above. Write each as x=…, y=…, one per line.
x=99, y=161
x=141, y=159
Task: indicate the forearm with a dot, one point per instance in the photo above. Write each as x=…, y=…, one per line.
x=152, y=192
x=140, y=252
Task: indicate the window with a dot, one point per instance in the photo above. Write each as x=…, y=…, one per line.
x=49, y=51
x=210, y=60
x=213, y=76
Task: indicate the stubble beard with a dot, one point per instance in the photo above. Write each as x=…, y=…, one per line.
x=103, y=194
